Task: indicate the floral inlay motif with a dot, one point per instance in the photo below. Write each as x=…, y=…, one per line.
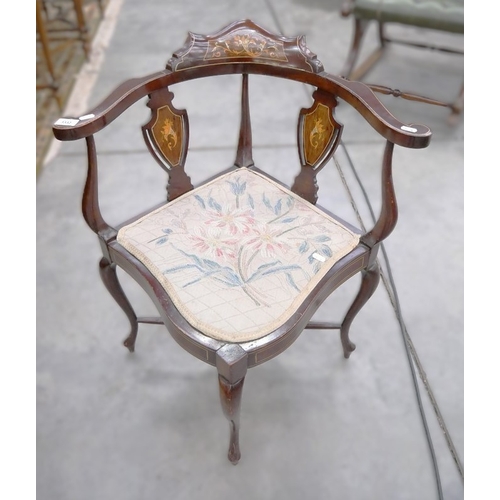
x=238, y=252
x=318, y=131
x=246, y=44
x=169, y=134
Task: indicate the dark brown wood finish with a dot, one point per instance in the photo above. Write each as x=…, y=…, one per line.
x=230, y=396
x=370, y=278
x=389, y=210
x=167, y=138
x=107, y=271
x=242, y=48
x=356, y=94
x=241, y=42
x=232, y=363
x=318, y=135
x=244, y=153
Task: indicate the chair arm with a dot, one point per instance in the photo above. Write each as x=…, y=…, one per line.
x=363, y=99
x=126, y=94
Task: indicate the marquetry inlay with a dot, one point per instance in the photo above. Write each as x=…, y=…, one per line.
x=167, y=133
x=246, y=43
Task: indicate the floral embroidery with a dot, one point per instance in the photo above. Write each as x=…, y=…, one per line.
x=267, y=241
x=235, y=220
x=214, y=243
x=241, y=233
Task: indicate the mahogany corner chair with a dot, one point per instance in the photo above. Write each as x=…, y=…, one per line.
x=238, y=265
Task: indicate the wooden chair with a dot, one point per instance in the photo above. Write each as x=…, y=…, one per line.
x=238, y=265
x=438, y=15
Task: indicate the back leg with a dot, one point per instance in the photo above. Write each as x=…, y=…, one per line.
x=369, y=281
x=360, y=26
x=107, y=271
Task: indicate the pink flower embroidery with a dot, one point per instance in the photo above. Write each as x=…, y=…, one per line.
x=213, y=243
x=267, y=241
x=233, y=220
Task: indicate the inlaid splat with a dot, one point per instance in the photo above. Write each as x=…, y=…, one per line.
x=318, y=136
x=167, y=135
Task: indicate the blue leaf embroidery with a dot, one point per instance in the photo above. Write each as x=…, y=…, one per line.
x=200, y=200
x=277, y=207
x=266, y=202
x=292, y=282
x=322, y=238
x=213, y=204
x=325, y=250
x=304, y=247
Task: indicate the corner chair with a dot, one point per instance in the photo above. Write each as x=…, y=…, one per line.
x=238, y=265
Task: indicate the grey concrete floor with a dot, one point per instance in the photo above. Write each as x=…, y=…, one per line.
x=314, y=426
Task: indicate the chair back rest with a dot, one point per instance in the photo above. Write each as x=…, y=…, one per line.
x=243, y=48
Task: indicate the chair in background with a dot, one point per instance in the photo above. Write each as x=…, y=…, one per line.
x=238, y=265
x=441, y=15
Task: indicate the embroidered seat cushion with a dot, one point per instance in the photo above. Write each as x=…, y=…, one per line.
x=238, y=255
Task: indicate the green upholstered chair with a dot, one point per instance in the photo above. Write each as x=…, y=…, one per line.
x=441, y=15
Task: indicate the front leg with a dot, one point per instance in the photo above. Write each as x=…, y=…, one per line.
x=230, y=398
x=369, y=282
x=231, y=362
x=108, y=275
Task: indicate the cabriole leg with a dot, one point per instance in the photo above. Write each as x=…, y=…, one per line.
x=109, y=277
x=369, y=281
x=230, y=398
x=231, y=362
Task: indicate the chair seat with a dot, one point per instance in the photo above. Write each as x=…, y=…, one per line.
x=239, y=254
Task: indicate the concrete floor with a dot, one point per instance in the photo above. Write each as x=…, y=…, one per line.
x=314, y=426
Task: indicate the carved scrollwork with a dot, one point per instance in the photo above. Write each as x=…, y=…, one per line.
x=246, y=44
x=245, y=41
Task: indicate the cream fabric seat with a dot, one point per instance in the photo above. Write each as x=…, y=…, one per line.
x=238, y=255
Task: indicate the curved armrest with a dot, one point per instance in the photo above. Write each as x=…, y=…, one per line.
x=359, y=95
x=378, y=116
x=126, y=94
